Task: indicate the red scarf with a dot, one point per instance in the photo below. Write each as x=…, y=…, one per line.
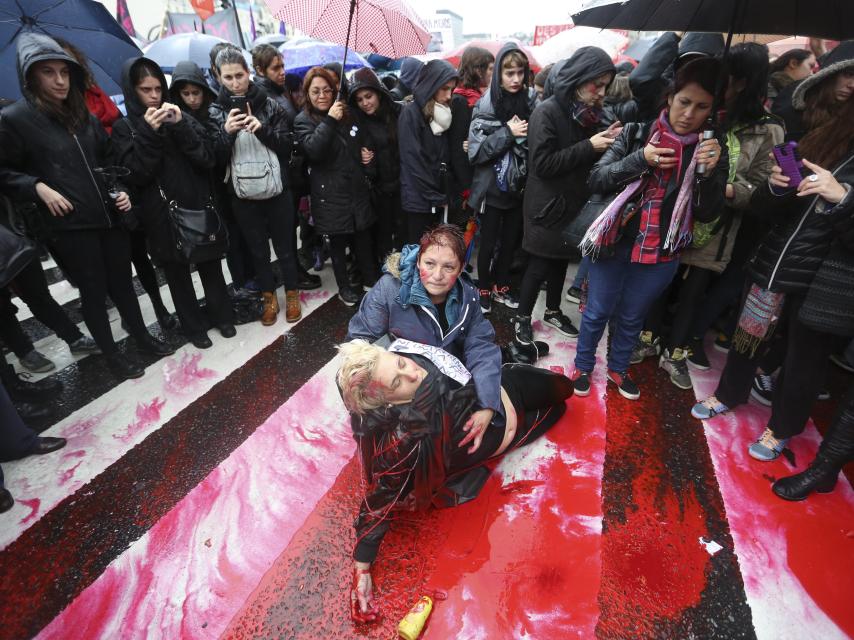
x=102, y=107
x=471, y=95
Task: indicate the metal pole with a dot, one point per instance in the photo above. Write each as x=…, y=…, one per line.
x=346, y=48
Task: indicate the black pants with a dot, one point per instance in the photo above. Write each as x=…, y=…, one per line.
x=145, y=269
x=504, y=225
x=217, y=301
x=799, y=381
x=389, y=233
x=538, y=397
x=553, y=272
x=238, y=258
x=260, y=222
x=363, y=248
x=692, y=292
x=99, y=261
x=16, y=438
x=722, y=293
x=31, y=286
x=419, y=222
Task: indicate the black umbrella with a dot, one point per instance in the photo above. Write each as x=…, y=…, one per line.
x=833, y=19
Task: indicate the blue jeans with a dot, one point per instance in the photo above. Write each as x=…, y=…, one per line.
x=583, y=268
x=621, y=292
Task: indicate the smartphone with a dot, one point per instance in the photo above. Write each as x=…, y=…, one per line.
x=169, y=116
x=667, y=141
x=239, y=102
x=789, y=160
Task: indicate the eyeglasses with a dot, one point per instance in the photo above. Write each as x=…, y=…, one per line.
x=314, y=93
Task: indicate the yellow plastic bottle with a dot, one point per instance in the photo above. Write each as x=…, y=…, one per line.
x=413, y=622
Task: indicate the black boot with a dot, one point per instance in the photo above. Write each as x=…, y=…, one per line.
x=148, y=342
x=307, y=281
x=836, y=450
x=167, y=321
x=122, y=368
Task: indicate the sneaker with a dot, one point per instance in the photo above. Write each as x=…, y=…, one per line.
x=573, y=294
x=36, y=362
x=348, y=296
x=627, y=388
x=560, y=322
x=676, y=365
x=581, y=383
x=709, y=408
x=503, y=296
x=697, y=357
x=485, y=301
x=645, y=347
x=83, y=345
x=723, y=343
x=522, y=327
x=768, y=447
x=839, y=360
x=762, y=389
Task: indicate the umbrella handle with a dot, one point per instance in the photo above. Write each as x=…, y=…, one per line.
x=346, y=49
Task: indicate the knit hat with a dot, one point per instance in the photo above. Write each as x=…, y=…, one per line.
x=840, y=59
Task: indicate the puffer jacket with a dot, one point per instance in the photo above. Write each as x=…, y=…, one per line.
x=752, y=170
x=340, y=183
x=425, y=171
x=275, y=132
x=399, y=305
x=381, y=128
x=490, y=139
x=560, y=156
x=178, y=158
x=35, y=148
x=789, y=256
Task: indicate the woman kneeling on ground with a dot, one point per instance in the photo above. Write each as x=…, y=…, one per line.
x=410, y=408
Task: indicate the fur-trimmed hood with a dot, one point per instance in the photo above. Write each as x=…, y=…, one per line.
x=840, y=59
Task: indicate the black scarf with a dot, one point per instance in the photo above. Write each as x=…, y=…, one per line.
x=513, y=104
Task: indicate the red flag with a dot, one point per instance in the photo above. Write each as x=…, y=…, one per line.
x=204, y=8
x=123, y=17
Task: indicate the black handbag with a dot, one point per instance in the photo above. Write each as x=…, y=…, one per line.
x=199, y=235
x=829, y=305
x=574, y=232
x=16, y=252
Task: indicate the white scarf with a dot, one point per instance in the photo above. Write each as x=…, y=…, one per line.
x=444, y=361
x=441, y=121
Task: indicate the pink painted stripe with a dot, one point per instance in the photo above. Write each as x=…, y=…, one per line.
x=797, y=559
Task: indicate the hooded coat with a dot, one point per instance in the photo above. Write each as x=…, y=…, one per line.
x=560, y=156
x=36, y=148
x=399, y=305
x=424, y=157
x=177, y=158
x=409, y=70
x=188, y=72
x=381, y=127
x=490, y=139
x=275, y=132
x=340, y=183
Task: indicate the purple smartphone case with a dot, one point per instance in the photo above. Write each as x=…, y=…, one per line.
x=787, y=157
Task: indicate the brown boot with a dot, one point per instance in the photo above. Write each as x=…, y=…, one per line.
x=293, y=308
x=271, y=308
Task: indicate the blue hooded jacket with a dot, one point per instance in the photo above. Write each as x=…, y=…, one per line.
x=399, y=305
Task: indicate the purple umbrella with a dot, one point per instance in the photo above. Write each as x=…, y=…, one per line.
x=302, y=55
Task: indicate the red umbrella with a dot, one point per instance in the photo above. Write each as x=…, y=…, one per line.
x=493, y=46
x=388, y=27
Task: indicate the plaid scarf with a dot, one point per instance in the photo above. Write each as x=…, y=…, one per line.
x=652, y=188
x=585, y=115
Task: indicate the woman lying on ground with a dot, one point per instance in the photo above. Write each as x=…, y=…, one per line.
x=410, y=407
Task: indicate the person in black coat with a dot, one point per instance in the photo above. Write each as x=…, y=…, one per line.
x=342, y=162
x=50, y=146
x=170, y=158
x=374, y=111
x=808, y=221
x=566, y=136
x=409, y=70
x=262, y=220
x=425, y=183
x=498, y=144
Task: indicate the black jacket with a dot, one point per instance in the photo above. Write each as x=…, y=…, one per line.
x=424, y=157
x=35, y=148
x=623, y=163
x=340, y=183
x=790, y=254
x=188, y=72
x=281, y=95
x=461, y=114
x=275, y=132
x=178, y=158
x=490, y=138
x=381, y=129
x=409, y=70
x=560, y=156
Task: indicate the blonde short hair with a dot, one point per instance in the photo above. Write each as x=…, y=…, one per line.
x=356, y=376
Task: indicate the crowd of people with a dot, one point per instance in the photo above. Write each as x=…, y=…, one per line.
x=663, y=181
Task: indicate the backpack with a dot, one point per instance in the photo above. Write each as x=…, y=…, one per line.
x=255, y=170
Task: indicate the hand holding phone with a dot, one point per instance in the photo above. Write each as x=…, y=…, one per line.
x=239, y=102
x=789, y=160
